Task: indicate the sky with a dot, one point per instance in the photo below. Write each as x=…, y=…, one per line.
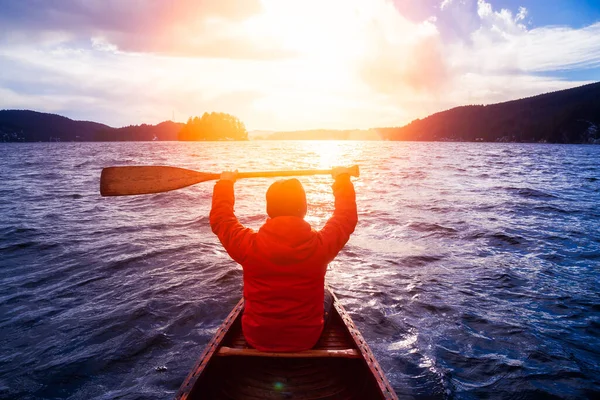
x=289, y=64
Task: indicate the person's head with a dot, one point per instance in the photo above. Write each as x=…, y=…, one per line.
x=286, y=198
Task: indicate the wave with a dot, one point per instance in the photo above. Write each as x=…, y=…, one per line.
x=432, y=228
x=496, y=238
x=421, y=260
x=530, y=193
x=552, y=209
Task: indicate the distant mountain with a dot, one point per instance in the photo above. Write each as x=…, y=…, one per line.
x=327, y=134
x=167, y=130
x=566, y=116
x=33, y=126
x=259, y=134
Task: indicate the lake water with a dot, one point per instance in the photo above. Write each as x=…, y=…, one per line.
x=473, y=271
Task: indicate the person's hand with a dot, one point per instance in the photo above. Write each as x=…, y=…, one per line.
x=337, y=171
x=229, y=175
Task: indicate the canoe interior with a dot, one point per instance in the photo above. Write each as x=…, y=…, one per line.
x=239, y=377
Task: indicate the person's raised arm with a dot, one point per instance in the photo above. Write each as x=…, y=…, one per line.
x=340, y=226
x=236, y=238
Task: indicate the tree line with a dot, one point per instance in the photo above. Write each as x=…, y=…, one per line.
x=213, y=126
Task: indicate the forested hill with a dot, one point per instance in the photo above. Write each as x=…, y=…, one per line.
x=167, y=130
x=33, y=126
x=566, y=116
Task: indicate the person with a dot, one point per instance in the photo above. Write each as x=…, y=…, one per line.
x=285, y=261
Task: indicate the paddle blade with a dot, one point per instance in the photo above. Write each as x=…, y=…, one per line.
x=124, y=181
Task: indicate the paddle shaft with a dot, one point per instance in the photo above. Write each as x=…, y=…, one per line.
x=273, y=174
x=126, y=181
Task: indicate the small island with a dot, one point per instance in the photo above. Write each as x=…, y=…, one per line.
x=213, y=126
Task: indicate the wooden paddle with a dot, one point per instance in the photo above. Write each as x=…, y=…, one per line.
x=124, y=181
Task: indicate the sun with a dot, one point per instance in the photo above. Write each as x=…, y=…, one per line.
x=324, y=32
x=330, y=154
x=322, y=154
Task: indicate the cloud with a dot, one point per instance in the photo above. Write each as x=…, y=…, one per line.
x=504, y=45
x=121, y=89
x=117, y=15
x=445, y=3
x=418, y=66
x=499, y=44
x=401, y=56
x=501, y=22
x=404, y=59
x=416, y=11
x=182, y=28
x=560, y=48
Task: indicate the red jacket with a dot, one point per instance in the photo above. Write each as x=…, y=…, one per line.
x=284, y=267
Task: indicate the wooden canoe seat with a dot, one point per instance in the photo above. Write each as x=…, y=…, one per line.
x=334, y=342
x=313, y=353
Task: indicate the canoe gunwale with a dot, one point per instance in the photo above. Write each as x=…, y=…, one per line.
x=365, y=350
x=209, y=351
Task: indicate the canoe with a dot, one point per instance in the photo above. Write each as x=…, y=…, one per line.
x=340, y=366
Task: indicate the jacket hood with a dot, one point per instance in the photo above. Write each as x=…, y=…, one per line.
x=286, y=239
